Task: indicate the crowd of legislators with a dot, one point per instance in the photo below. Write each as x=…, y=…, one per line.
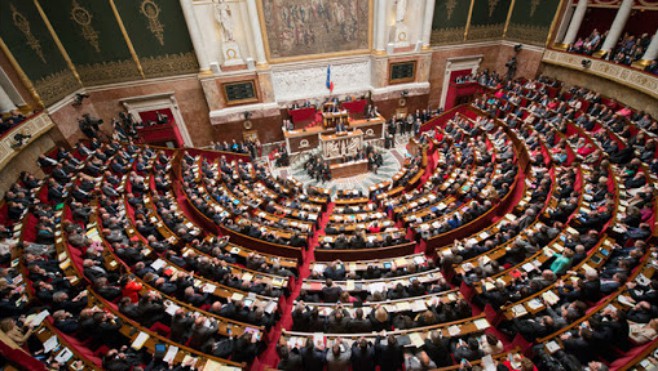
x=466, y=78
x=629, y=49
x=125, y=126
x=10, y=120
x=612, y=327
x=590, y=44
x=73, y=180
x=69, y=304
x=317, y=168
x=388, y=353
x=251, y=147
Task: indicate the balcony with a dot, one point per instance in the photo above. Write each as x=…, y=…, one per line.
x=34, y=126
x=624, y=75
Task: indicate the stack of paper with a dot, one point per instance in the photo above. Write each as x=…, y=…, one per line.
x=140, y=340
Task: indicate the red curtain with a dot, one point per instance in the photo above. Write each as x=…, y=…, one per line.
x=599, y=18
x=642, y=22
x=356, y=107
x=302, y=115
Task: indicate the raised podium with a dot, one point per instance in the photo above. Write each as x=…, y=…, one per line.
x=336, y=148
x=341, y=145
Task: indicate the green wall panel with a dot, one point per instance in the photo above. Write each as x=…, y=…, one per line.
x=29, y=41
x=93, y=39
x=488, y=19
x=449, y=22
x=159, y=34
x=531, y=20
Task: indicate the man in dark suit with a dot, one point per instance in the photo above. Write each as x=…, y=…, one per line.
x=358, y=324
x=180, y=326
x=313, y=357
x=289, y=359
x=532, y=329
x=200, y=333
x=337, y=322
x=331, y=293
x=438, y=349
x=65, y=322
x=592, y=286
x=390, y=355
x=335, y=270
x=363, y=355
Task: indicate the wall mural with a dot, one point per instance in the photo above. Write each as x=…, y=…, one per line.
x=449, y=22
x=531, y=21
x=92, y=37
x=159, y=34
x=295, y=28
x=24, y=33
x=488, y=19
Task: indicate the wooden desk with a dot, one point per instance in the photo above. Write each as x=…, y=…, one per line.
x=348, y=169
x=305, y=139
x=340, y=145
x=456, y=329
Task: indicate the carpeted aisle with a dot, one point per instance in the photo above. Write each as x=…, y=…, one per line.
x=269, y=357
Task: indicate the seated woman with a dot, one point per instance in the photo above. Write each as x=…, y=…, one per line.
x=18, y=335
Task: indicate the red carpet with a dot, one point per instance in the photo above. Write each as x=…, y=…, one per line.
x=269, y=357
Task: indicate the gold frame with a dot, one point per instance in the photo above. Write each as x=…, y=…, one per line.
x=228, y=102
x=266, y=44
x=403, y=80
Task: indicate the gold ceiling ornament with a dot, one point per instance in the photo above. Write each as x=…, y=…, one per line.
x=83, y=18
x=450, y=7
x=492, y=6
x=24, y=26
x=533, y=7
x=151, y=10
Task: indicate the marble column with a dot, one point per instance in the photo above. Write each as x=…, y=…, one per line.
x=617, y=25
x=6, y=104
x=564, y=25
x=652, y=50
x=195, y=34
x=576, y=21
x=256, y=30
x=427, y=23
x=380, y=25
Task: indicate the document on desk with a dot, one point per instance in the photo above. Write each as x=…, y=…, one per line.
x=50, y=344
x=454, y=330
x=416, y=339
x=171, y=354
x=140, y=340
x=36, y=319
x=64, y=356
x=481, y=324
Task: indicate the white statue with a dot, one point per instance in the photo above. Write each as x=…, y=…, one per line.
x=400, y=10
x=225, y=19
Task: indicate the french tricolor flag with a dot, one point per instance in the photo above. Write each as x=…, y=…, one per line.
x=330, y=84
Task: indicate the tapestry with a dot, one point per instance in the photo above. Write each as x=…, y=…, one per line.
x=306, y=27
